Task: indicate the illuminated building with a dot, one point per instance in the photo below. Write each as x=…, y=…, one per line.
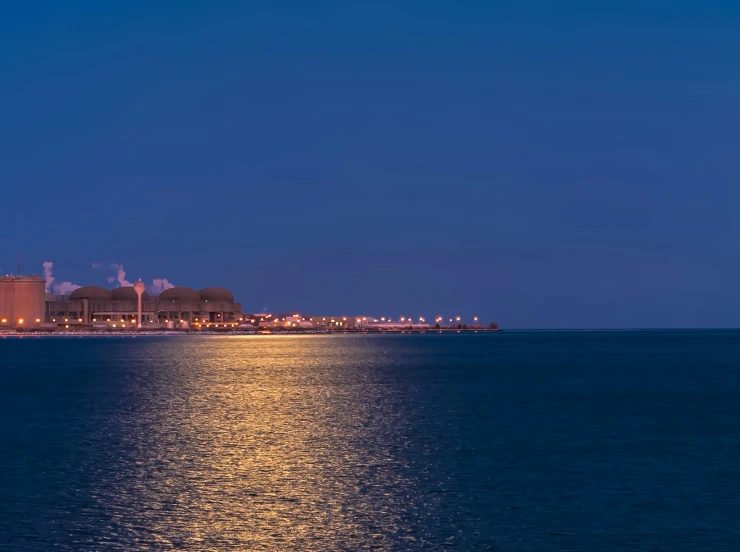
x=177, y=307
x=21, y=301
x=364, y=323
x=290, y=321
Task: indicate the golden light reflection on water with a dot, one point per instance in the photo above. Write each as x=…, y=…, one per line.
x=263, y=444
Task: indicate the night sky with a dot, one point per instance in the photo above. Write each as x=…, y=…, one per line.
x=538, y=163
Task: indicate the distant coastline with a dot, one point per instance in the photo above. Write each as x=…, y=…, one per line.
x=229, y=332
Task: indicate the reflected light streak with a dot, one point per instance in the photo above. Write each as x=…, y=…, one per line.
x=274, y=443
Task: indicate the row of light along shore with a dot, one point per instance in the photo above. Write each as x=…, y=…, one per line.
x=26, y=305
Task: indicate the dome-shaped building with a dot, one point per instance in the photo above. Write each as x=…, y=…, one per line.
x=213, y=294
x=176, y=307
x=96, y=293
x=127, y=294
x=179, y=294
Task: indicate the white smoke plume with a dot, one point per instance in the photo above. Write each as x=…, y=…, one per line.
x=65, y=288
x=120, y=276
x=48, y=265
x=159, y=285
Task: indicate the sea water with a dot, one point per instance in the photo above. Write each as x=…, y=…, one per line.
x=511, y=441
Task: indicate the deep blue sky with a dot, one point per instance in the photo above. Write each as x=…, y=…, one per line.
x=542, y=164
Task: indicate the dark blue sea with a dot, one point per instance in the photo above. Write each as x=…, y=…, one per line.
x=514, y=441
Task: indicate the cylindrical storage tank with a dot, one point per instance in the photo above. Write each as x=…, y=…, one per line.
x=6, y=303
x=22, y=302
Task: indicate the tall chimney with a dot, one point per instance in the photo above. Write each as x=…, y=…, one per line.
x=139, y=288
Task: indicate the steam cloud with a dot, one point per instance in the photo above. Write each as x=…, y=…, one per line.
x=120, y=276
x=159, y=285
x=48, y=265
x=65, y=288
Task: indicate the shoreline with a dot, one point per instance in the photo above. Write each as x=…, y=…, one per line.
x=158, y=332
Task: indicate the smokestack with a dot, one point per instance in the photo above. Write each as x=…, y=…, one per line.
x=139, y=288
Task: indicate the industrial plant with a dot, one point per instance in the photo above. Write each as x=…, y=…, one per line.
x=28, y=303
x=24, y=304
